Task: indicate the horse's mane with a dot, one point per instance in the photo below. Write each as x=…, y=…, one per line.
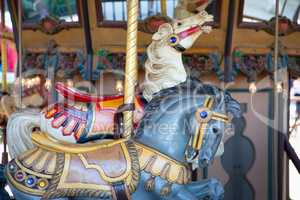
x=160, y=72
x=196, y=87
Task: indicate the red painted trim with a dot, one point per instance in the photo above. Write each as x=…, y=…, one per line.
x=201, y=3
x=188, y=32
x=76, y=95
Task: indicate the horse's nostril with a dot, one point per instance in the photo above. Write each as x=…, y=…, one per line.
x=179, y=23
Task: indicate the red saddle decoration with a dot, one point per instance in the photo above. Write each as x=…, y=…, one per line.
x=80, y=96
x=87, y=117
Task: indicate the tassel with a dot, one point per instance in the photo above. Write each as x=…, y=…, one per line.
x=166, y=190
x=150, y=184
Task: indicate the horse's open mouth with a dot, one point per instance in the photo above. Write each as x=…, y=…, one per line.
x=188, y=32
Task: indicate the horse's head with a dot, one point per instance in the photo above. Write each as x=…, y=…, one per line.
x=194, y=117
x=182, y=33
x=164, y=67
x=208, y=123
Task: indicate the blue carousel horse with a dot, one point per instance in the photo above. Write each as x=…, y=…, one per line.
x=182, y=125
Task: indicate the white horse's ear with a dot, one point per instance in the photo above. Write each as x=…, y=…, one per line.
x=163, y=31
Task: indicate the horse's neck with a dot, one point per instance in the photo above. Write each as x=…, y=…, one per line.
x=169, y=74
x=166, y=143
x=165, y=132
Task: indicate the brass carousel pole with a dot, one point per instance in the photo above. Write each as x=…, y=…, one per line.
x=131, y=64
x=163, y=5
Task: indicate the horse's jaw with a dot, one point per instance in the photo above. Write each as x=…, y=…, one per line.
x=190, y=28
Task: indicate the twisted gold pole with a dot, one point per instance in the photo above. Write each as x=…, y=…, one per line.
x=131, y=64
x=163, y=5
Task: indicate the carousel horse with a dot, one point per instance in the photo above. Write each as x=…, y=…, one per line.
x=78, y=154
x=85, y=117
x=182, y=125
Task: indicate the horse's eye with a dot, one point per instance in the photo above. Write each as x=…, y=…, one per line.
x=215, y=130
x=179, y=23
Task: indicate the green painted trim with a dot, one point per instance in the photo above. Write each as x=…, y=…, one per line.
x=270, y=134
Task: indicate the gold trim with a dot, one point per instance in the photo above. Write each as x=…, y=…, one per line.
x=158, y=164
x=63, y=185
x=31, y=172
x=102, y=173
x=220, y=117
x=63, y=181
x=209, y=101
x=131, y=182
x=22, y=187
x=139, y=145
x=206, y=119
x=44, y=141
x=199, y=135
x=177, y=40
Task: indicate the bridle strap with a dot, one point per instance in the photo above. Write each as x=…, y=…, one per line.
x=200, y=129
x=182, y=35
x=203, y=123
x=179, y=48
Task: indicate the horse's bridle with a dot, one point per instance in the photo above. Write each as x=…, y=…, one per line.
x=203, y=116
x=174, y=39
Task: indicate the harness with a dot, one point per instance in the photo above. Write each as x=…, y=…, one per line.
x=174, y=39
x=203, y=116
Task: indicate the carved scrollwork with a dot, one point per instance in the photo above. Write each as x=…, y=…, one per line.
x=50, y=25
x=286, y=26
x=200, y=65
x=250, y=66
x=62, y=64
x=197, y=65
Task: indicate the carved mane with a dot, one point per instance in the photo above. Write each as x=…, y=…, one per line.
x=161, y=71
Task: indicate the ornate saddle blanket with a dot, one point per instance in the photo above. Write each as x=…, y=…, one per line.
x=84, y=118
x=56, y=170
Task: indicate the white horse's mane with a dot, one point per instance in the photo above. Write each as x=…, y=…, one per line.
x=162, y=70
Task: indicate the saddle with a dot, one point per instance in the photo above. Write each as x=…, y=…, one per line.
x=57, y=170
x=87, y=117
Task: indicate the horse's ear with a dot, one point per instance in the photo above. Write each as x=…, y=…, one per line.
x=163, y=31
